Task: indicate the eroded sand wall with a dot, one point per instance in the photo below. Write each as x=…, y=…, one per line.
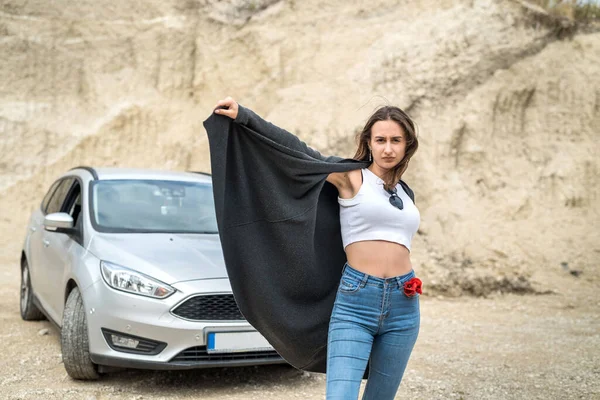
x=507, y=176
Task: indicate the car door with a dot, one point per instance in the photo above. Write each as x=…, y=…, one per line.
x=34, y=244
x=65, y=249
x=52, y=255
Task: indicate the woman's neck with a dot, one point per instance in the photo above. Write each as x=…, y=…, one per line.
x=377, y=170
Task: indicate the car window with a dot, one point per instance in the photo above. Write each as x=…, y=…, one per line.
x=49, y=195
x=153, y=206
x=56, y=201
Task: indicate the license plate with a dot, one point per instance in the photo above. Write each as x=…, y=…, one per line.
x=234, y=342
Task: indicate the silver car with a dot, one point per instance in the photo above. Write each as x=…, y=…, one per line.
x=128, y=265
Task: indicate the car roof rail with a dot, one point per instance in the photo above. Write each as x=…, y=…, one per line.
x=88, y=169
x=200, y=172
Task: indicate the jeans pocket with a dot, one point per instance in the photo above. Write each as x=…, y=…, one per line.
x=349, y=285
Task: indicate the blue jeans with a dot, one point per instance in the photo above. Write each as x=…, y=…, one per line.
x=372, y=320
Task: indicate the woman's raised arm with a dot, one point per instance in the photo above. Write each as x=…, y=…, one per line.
x=244, y=116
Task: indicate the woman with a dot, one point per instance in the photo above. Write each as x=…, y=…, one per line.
x=375, y=317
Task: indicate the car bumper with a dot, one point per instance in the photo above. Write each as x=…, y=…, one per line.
x=151, y=319
x=174, y=365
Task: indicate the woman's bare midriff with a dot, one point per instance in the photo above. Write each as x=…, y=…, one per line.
x=379, y=258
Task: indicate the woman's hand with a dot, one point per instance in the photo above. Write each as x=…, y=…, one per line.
x=227, y=107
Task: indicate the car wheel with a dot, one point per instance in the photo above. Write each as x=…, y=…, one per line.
x=74, y=340
x=29, y=311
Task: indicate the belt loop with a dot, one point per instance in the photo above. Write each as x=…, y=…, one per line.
x=364, y=280
x=400, y=286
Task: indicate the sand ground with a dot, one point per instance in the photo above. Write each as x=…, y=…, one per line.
x=499, y=347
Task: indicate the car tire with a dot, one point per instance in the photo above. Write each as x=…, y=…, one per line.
x=29, y=311
x=74, y=340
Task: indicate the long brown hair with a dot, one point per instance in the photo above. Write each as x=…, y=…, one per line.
x=386, y=113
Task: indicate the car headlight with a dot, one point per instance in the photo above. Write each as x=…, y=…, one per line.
x=131, y=281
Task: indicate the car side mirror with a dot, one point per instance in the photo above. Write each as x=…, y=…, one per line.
x=58, y=222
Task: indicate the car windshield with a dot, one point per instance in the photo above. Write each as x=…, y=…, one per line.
x=153, y=206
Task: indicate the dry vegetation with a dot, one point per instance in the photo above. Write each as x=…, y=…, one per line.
x=573, y=10
x=565, y=16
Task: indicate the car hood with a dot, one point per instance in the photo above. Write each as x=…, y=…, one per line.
x=169, y=258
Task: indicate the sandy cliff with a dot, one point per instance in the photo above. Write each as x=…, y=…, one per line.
x=507, y=176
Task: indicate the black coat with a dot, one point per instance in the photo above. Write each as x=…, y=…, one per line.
x=279, y=226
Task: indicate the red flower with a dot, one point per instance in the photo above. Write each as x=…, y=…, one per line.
x=412, y=287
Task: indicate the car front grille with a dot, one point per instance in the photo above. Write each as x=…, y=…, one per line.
x=199, y=354
x=214, y=307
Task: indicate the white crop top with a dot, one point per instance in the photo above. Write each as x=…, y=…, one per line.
x=370, y=216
